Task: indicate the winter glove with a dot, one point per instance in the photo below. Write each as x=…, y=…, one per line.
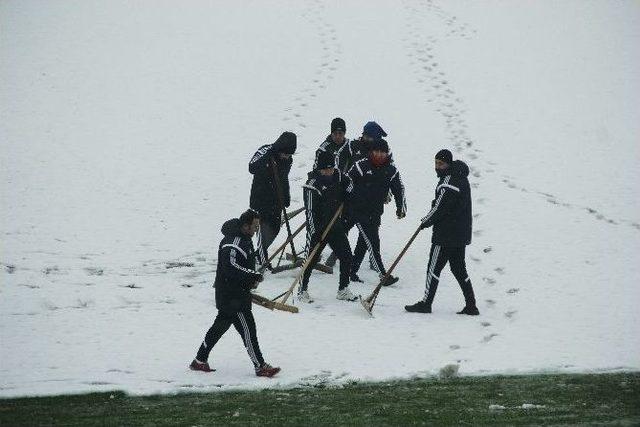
x=400, y=214
x=259, y=278
x=387, y=200
x=423, y=225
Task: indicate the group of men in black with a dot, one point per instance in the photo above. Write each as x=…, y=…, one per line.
x=349, y=185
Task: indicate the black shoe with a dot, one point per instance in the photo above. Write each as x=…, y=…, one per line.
x=389, y=280
x=471, y=311
x=419, y=307
x=331, y=260
x=355, y=278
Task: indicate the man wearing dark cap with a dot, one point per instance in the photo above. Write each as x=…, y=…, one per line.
x=450, y=216
x=371, y=179
x=359, y=148
x=334, y=142
x=265, y=198
x=323, y=193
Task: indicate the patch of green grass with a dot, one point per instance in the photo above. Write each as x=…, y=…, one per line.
x=558, y=399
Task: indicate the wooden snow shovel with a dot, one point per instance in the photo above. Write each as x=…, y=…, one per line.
x=288, y=293
x=371, y=299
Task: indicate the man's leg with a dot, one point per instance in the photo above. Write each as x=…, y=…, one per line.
x=369, y=233
x=459, y=270
x=246, y=327
x=437, y=261
x=220, y=326
x=312, y=241
x=269, y=229
x=339, y=243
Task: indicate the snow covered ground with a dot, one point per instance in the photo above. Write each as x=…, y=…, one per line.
x=125, y=132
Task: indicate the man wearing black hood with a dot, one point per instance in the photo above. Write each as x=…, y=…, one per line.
x=371, y=179
x=264, y=189
x=323, y=193
x=450, y=216
x=235, y=277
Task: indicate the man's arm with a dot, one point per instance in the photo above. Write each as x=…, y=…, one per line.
x=397, y=188
x=260, y=159
x=230, y=255
x=447, y=196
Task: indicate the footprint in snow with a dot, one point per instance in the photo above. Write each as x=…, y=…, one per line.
x=489, y=337
x=513, y=290
x=510, y=314
x=489, y=280
x=94, y=271
x=499, y=270
x=485, y=324
x=490, y=302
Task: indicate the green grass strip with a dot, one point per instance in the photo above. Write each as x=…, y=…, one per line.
x=599, y=399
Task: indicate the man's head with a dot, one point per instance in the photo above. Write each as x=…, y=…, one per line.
x=338, y=129
x=379, y=152
x=249, y=222
x=443, y=160
x=372, y=131
x=285, y=145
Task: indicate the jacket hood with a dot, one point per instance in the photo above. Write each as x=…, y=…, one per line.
x=458, y=167
x=286, y=143
x=231, y=227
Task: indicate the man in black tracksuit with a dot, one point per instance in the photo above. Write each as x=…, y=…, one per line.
x=265, y=198
x=450, y=216
x=235, y=277
x=371, y=179
x=324, y=192
x=347, y=155
x=334, y=143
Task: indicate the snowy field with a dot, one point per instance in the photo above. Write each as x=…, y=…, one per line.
x=125, y=133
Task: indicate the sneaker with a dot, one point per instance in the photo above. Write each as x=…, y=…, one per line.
x=389, y=280
x=304, y=296
x=419, y=307
x=266, y=370
x=471, y=311
x=355, y=278
x=346, y=295
x=200, y=366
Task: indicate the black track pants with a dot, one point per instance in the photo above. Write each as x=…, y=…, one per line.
x=338, y=242
x=369, y=239
x=244, y=323
x=269, y=229
x=438, y=258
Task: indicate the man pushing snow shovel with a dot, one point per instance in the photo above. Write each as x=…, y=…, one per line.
x=450, y=216
x=235, y=277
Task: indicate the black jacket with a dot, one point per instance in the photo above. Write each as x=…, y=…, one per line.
x=264, y=194
x=235, y=274
x=342, y=153
x=322, y=200
x=369, y=187
x=450, y=213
